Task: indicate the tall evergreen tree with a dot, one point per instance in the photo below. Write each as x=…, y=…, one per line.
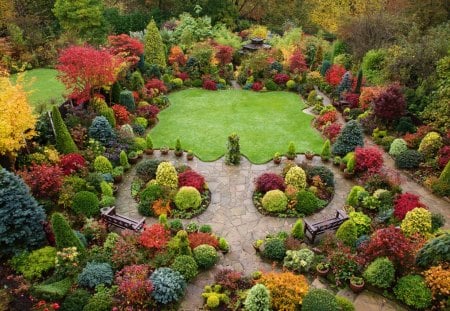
x=64, y=142
x=64, y=235
x=21, y=217
x=154, y=47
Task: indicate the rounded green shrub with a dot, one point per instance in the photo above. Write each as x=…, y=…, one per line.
x=398, y=146
x=300, y=260
x=126, y=99
x=291, y=84
x=137, y=81
x=319, y=299
x=325, y=174
x=417, y=220
x=345, y=304
x=205, y=256
x=308, y=203
x=139, y=143
x=430, y=145
x=353, y=197
x=258, y=299
x=147, y=197
x=95, y=274
x=274, y=249
x=296, y=177
x=168, y=285
x=35, y=264
x=408, y=159
x=103, y=165
x=188, y=198
x=435, y=251
x=141, y=121
x=380, y=273
x=76, y=300
x=167, y=176
x=86, y=203
x=351, y=137
x=274, y=201
x=186, y=266
x=362, y=222
x=413, y=291
x=101, y=130
x=347, y=233
x=108, y=113
x=298, y=229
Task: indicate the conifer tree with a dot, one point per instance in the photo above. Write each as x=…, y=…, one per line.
x=64, y=142
x=64, y=235
x=154, y=47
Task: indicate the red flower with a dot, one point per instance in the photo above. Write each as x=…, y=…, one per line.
x=55, y=305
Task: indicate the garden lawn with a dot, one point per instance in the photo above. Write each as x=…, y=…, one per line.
x=42, y=85
x=266, y=122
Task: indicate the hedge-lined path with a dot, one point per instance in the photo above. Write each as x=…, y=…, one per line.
x=232, y=213
x=434, y=203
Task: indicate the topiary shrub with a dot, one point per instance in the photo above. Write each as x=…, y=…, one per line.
x=430, y=145
x=408, y=159
x=325, y=174
x=64, y=235
x=296, y=177
x=390, y=104
x=368, y=160
x=103, y=165
x=86, y=203
x=101, y=131
x=233, y=156
x=308, y=203
x=139, y=144
x=344, y=304
x=146, y=170
x=186, y=266
x=380, y=273
x=15, y=199
x=166, y=175
x=141, y=121
x=412, y=290
x=298, y=229
x=274, y=249
x=188, y=198
x=168, y=285
x=258, y=299
x=95, y=274
x=350, y=137
x=326, y=151
x=269, y=181
x=64, y=142
x=126, y=99
x=398, y=146
x=319, y=299
x=347, y=233
x=274, y=201
x=434, y=252
x=35, y=264
x=418, y=221
x=76, y=300
x=205, y=256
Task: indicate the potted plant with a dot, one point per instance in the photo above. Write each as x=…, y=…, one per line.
x=356, y=284
x=291, y=154
x=140, y=154
x=323, y=268
x=117, y=174
x=277, y=158
x=132, y=157
x=326, y=151
x=337, y=160
x=115, y=188
x=164, y=150
x=349, y=172
x=309, y=155
x=257, y=244
x=178, y=150
x=190, y=155
x=149, y=144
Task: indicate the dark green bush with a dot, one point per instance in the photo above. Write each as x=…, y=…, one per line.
x=147, y=197
x=308, y=203
x=270, y=85
x=101, y=301
x=326, y=175
x=274, y=249
x=347, y=233
x=437, y=221
x=95, y=274
x=186, y=266
x=205, y=256
x=146, y=170
x=380, y=273
x=137, y=82
x=15, y=199
x=351, y=137
x=405, y=125
x=435, y=251
x=413, y=291
x=76, y=301
x=126, y=99
x=53, y=291
x=64, y=142
x=233, y=156
x=319, y=300
x=205, y=229
x=64, y=235
x=86, y=203
x=102, y=131
x=408, y=159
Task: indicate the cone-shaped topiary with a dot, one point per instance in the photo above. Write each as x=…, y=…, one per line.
x=108, y=113
x=326, y=151
x=23, y=231
x=359, y=82
x=64, y=142
x=445, y=175
x=347, y=233
x=298, y=229
x=123, y=159
x=101, y=130
x=149, y=141
x=233, y=156
x=346, y=83
x=137, y=82
x=154, y=50
x=115, y=92
x=350, y=137
x=126, y=99
x=64, y=235
x=258, y=299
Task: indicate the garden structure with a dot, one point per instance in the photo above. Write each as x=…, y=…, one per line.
x=192, y=169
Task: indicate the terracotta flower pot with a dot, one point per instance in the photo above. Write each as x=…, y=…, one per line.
x=164, y=151
x=277, y=160
x=118, y=179
x=190, y=157
x=148, y=151
x=309, y=156
x=348, y=175
x=133, y=160
x=357, y=288
x=178, y=153
x=323, y=272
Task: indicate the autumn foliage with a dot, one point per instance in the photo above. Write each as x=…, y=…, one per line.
x=334, y=74
x=134, y=285
x=71, y=163
x=297, y=63
x=404, y=203
x=270, y=181
x=44, y=180
x=192, y=179
x=368, y=159
x=121, y=113
x=128, y=48
x=199, y=238
x=224, y=54
x=154, y=237
x=177, y=56
x=390, y=104
x=84, y=69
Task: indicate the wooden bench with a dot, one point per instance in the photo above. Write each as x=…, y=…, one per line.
x=317, y=228
x=111, y=218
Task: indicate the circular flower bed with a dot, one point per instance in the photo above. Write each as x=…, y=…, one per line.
x=297, y=191
x=162, y=188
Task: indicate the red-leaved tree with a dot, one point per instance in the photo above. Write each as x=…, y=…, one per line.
x=134, y=285
x=128, y=48
x=297, y=62
x=84, y=69
x=368, y=160
x=44, y=180
x=71, y=163
x=404, y=203
x=224, y=54
x=200, y=238
x=155, y=237
x=177, y=56
x=390, y=103
x=334, y=74
x=191, y=179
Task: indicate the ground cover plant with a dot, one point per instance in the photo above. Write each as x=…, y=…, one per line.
x=265, y=123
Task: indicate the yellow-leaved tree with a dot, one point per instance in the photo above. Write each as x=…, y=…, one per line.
x=16, y=118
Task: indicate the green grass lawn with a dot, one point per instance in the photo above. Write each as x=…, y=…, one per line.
x=265, y=123
x=42, y=85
